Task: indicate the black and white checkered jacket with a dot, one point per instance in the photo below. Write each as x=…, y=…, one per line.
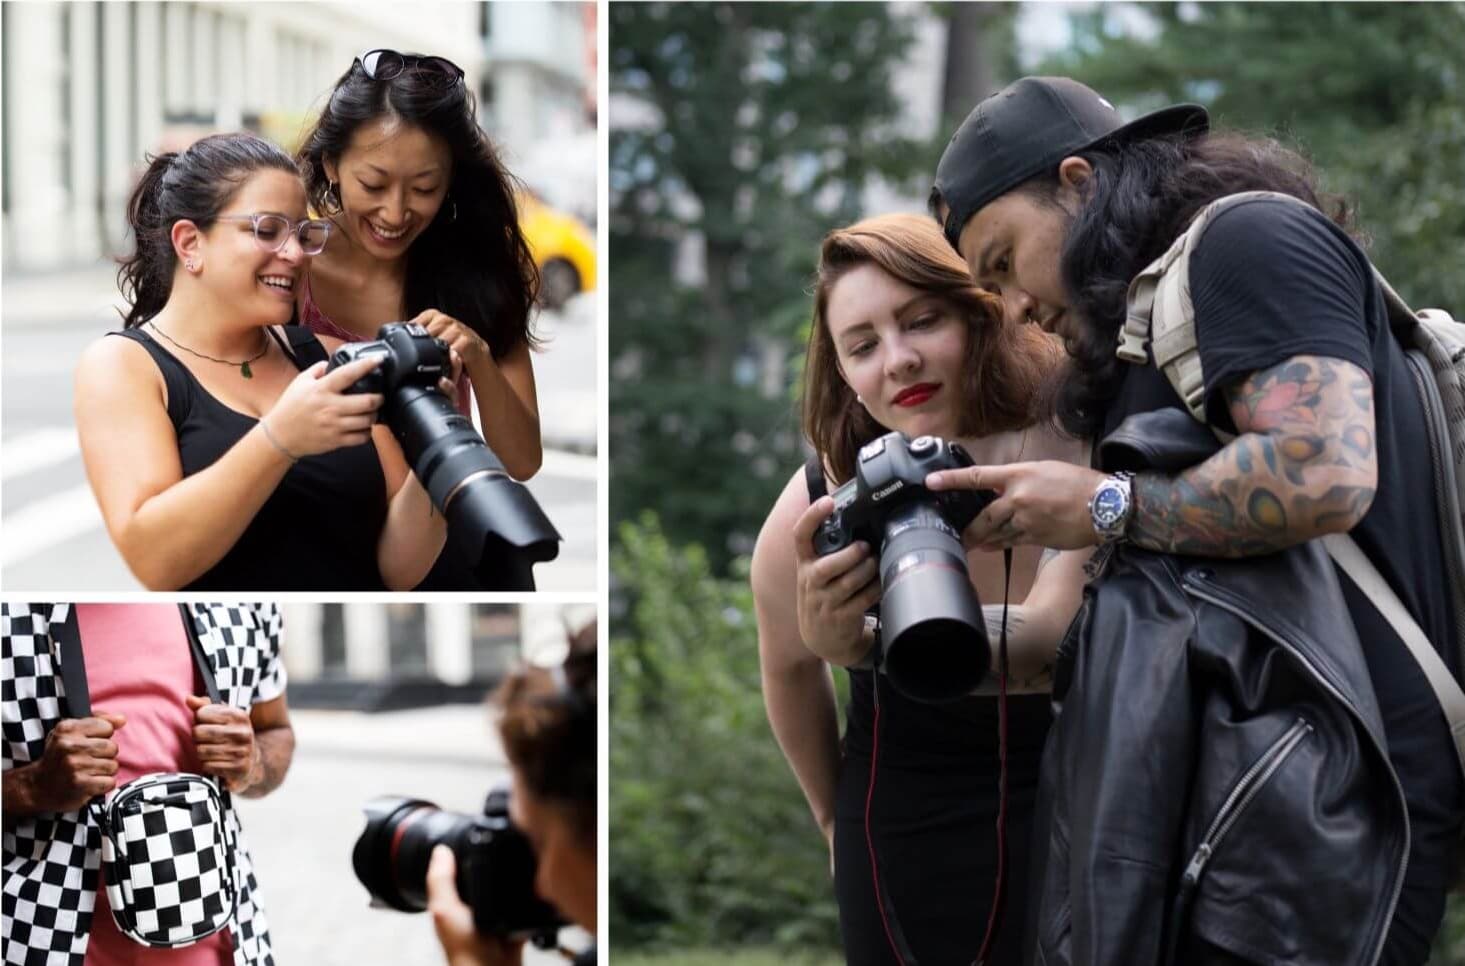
x=51, y=860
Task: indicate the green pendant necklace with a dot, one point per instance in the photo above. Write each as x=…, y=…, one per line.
x=244, y=369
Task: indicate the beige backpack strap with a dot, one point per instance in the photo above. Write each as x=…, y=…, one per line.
x=1351, y=560
x=1159, y=310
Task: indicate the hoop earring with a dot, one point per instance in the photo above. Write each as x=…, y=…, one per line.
x=454, y=215
x=333, y=196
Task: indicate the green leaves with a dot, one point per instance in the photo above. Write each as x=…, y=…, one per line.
x=711, y=841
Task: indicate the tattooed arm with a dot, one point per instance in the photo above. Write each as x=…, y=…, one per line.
x=1035, y=626
x=1304, y=465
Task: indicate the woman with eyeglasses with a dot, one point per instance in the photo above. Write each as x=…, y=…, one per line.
x=222, y=454
x=425, y=229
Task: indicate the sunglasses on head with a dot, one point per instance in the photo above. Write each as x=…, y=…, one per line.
x=383, y=65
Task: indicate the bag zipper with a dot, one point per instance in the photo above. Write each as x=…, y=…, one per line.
x=1219, y=598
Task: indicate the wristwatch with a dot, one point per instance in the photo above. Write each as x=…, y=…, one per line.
x=1111, y=506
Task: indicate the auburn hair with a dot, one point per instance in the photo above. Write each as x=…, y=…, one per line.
x=1008, y=367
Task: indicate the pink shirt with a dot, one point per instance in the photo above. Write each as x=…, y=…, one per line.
x=138, y=665
x=318, y=322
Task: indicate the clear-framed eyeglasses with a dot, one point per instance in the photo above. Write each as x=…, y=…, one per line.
x=273, y=231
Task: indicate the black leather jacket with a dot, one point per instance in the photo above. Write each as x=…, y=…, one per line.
x=1217, y=766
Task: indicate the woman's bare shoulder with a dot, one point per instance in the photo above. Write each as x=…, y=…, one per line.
x=1046, y=441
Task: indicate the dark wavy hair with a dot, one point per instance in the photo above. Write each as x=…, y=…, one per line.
x=476, y=266
x=1141, y=196
x=194, y=184
x=547, y=725
x=1006, y=365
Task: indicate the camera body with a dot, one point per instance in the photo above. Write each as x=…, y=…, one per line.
x=495, y=862
x=494, y=522
x=889, y=472
x=411, y=356
x=933, y=638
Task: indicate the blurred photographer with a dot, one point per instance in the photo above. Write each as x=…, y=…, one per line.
x=547, y=724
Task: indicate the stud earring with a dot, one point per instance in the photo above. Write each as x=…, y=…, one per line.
x=189, y=265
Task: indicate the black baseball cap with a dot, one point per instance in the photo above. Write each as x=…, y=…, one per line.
x=1027, y=128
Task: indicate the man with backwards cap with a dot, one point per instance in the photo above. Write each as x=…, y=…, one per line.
x=1056, y=204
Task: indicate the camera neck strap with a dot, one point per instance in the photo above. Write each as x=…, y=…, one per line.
x=67, y=634
x=894, y=935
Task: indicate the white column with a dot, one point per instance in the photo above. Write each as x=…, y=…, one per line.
x=202, y=85
x=118, y=93
x=542, y=634
x=85, y=232
x=34, y=69
x=148, y=71
x=367, y=657
x=176, y=37
x=450, y=641
x=303, y=646
x=230, y=116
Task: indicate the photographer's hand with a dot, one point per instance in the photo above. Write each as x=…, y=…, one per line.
x=833, y=592
x=1046, y=504
x=315, y=414
x=453, y=920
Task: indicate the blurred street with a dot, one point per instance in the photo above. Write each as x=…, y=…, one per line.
x=302, y=834
x=53, y=533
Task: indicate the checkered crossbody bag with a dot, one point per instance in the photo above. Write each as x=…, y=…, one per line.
x=167, y=853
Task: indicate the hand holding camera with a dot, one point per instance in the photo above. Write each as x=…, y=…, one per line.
x=932, y=633
x=318, y=412
x=833, y=592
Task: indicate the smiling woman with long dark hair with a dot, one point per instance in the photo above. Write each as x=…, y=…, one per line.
x=426, y=229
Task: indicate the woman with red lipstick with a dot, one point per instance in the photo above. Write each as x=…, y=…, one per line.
x=427, y=230
x=903, y=340
x=222, y=455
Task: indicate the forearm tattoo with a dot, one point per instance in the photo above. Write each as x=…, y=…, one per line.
x=1303, y=466
x=276, y=748
x=1040, y=679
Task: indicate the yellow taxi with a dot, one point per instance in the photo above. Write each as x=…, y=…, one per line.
x=563, y=247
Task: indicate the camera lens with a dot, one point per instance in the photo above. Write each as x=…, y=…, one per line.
x=496, y=866
x=493, y=520
x=932, y=631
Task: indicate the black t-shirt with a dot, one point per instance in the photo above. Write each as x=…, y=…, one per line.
x=1271, y=280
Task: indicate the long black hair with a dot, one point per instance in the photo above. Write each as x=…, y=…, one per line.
x=194, y=184
x=472, y=261
x=1141, y=196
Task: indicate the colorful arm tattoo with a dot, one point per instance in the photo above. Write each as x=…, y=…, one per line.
x=1303, y=465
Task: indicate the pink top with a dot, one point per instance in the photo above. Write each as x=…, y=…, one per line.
x=138, y=665
x=318, y=322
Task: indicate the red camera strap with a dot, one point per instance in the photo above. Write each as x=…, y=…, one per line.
x=883, y=901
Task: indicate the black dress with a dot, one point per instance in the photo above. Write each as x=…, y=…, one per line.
x=932, y=819
x=319, y=528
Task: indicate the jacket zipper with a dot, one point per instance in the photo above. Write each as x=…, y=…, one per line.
x=1241, y=796
x=1251, y=620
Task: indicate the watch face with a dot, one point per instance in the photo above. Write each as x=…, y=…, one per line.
x=1109, y=506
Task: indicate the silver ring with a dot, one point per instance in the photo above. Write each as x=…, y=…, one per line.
x=480, y=474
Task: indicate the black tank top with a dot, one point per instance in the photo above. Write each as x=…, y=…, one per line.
x=916, y=737
x=318, y=530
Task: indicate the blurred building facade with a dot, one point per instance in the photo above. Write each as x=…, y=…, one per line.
x=90, y=88
x=373, y=656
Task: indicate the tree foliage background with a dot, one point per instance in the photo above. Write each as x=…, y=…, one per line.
x=741, y=133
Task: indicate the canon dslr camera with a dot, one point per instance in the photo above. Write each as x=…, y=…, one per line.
x=932, y=636
x=493, y=520
x=496, y=866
